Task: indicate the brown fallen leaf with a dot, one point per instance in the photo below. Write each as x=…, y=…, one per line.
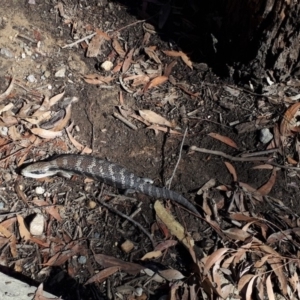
x=214, y=258
x=231, y=170
x=175, y=228
x=24, y=233
x=46, y=134
x=150, y=51
x=63, y=122
x=155, y=118
x=266, y=188
x=50, y=209
x=152, y=255
x=128, y=61
x=118, y=48
x=103, y=275
x=157, y=128
x=181, y=54
x=97, y=79
x=165, y=245
x=289, y=122
x=107, y=261
x=78, y=146
x=155, y=82
x=53, y=100
x=94, y=48
x=224, y=139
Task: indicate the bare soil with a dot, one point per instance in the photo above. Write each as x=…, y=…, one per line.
x=147, y=153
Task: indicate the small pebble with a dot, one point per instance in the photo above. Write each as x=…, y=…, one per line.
x=7, y=53
x=107, y=65
x=7, y=177
x=31, y=78
x=39, y=190
x=265, y=135
x=61, y=72
x=82, y=259
x=36, y=226
x=47, y=74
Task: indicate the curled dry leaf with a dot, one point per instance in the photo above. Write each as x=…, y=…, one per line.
x=118, y=48
x=224, y=139
x=46, y=134
x=102, y=275
x=95, y=44
x=152, y=254
x=289, y=122
x=97, y=79
x=24, y=233
x=214, y=258
x=171, y=274
x=181, y=54
x=155, y=118
x=266, y=188
x=175, y=228
x=78, y=146
x=156, y=82
x=128, y=61
x=231, y=170
x=150, y=51
x=165, y=245
x=63, y=123
x=53, y=100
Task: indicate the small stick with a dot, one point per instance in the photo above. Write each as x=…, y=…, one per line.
x=233, y=158
x=259, y=153
x=179, y=158
x=132, y=215
x=79, y=41
x=118, y=116
x=129, y=219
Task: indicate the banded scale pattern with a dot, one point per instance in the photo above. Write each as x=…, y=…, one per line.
x=104, y=171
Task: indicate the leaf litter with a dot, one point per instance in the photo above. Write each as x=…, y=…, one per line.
x=244, y=246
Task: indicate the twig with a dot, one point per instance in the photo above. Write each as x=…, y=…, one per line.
x=79, y=41
x=129, y=219
x=118, y=116
x=179, y=157
x=259, y=153
x=233, y=158
x=132, y=215
x=140, y=21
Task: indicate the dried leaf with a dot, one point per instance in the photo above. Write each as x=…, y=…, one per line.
x=152, y=254
x=175, y=228
x=97, y=79
x=77, y=145
x=53, y=100
x=95, y=44
x=214, y=258
x=157, y=128
x=231, y=170
x=289, y=122
x=103, y=275
x=237, y=234
x=150, y=51
x=46, y=134
x=183, y=56
x=156, y=82
x=224, y=139
x=118, y=48
x=109, y=261
x=266, y=188
x=155, y=118
x=270, y=291
x=24, y=233
x=63, y=123
x=165, y=245
x=171, y=274
x=128, y=61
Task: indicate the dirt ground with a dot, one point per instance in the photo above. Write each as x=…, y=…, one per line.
x=32, y=43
